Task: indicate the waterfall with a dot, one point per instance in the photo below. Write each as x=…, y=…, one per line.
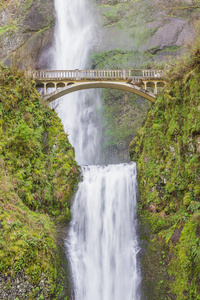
x=102, y=240
x=75, y=37
x=102, y=243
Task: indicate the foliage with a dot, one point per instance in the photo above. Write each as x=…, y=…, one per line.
x=38, y=175
x=123, y=115
x=168, y=154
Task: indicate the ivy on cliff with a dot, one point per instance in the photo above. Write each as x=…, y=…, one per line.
x=38, y=174
x=167, y=151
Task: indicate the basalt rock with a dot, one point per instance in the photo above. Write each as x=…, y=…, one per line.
x=26, y=32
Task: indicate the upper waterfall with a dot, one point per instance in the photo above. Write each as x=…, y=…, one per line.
x=75, y=38
x=75, y=34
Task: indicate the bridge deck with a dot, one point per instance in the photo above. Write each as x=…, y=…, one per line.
x=67, y=81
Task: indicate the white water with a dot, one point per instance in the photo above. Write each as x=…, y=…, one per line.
x=102, y=242
x=75, y=37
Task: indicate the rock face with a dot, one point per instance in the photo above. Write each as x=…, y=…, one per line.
x=139, y=34
x=27, y=28
x=26, y=31
x=147, y=25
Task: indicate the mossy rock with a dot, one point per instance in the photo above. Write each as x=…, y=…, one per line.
x=167, y=154
x=38, y=176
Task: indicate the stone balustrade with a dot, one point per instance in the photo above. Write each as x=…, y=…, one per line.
x=134, y=75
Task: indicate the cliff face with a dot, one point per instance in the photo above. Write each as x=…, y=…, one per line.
x=158, y=27
x=26, y=32
x=153, y=30
x=38, y=175
x=139, y=34
x=167, y=151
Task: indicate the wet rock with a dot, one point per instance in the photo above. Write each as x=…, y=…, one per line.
x=21, y=287
x=27, y=31
x=176, y=235
x=166, y=35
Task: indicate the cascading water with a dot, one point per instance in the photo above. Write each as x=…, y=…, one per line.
x=102, y=243
x=75, y=37
x=102, y=239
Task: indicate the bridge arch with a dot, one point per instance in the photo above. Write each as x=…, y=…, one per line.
x=78, y=86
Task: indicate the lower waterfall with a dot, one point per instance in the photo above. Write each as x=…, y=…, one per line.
x=102, y=243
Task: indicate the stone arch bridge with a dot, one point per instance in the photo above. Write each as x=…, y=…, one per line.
x=144, y=83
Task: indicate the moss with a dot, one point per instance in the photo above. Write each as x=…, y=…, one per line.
x=123, y=115
x=38, y=175
x=168, y=154
x=8, y=28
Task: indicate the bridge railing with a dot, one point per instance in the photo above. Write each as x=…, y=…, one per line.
x=135, y=75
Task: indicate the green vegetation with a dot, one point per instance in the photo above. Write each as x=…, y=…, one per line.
x=115, y=59
x=167, y=151
x=38, y=174
x=123, y=116
x=123, y=113
x=8, y=28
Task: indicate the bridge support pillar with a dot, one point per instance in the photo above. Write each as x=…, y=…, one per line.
x=156, y=88
x=45, y=88
x=145, y=85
